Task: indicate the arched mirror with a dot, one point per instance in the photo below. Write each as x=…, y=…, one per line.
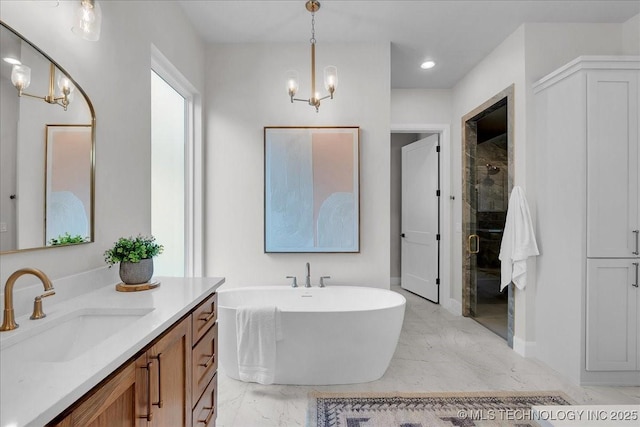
x=47, y=145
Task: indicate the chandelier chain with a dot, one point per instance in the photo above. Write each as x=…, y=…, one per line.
x=313, y=28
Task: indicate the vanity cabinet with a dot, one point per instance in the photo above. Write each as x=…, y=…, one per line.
x=205, y=363
x=111, y=404
x=172, y=382
x=588, y=217
x=167, y=400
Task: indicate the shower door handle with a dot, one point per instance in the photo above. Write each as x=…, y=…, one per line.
x=477, y=245
x=637, y=251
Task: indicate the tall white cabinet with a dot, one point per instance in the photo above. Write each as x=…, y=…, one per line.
x=588, y=186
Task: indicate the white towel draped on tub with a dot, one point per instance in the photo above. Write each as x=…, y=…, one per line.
x=257, y=330
x=518, y=241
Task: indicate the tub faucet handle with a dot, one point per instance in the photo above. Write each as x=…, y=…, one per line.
x=294, y=282
x=322, y=280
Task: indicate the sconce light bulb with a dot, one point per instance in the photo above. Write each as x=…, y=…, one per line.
x=64, y=84
x=88, y=20
x=21, y=77
x=292, y=83
x=330, y=78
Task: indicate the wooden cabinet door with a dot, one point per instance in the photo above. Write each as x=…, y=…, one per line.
x=170, y=377
x=111, y=404
x=612, y=315
x=613, y=159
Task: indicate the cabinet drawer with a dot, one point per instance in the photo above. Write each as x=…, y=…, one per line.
x=205, y=412
x=204, y=361
x=204, y=317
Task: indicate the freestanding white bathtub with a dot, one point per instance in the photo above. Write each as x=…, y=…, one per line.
x=331, y=335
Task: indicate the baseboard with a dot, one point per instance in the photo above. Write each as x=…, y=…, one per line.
x=395, y=281
x=524, y=348
x=454, y=307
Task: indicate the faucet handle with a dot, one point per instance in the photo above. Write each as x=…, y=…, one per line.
x=37, y=305
x=322, y=280
x=294, y=282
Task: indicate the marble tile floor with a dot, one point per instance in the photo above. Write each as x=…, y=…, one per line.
x=437, y=352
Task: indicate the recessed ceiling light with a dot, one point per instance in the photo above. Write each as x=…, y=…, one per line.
x=12, y=61
x=427, y=64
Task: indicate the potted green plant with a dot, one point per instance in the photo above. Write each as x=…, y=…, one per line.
x=135, y=255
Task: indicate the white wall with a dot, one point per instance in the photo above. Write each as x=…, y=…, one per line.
x=420, y=106
x=246, y=91
x=114, y=72
x=503, y=67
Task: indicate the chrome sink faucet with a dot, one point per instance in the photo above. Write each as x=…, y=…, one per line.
x=307, y=282
x=9, y=320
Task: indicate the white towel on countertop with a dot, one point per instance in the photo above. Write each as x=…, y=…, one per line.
x=258, y=328
x=518, y=241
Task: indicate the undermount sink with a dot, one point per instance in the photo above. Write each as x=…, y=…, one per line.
x=71, y=335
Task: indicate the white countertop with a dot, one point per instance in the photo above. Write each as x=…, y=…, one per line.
x=33, y=393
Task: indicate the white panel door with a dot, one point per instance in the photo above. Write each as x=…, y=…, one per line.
x=612, y=315
x=613, y=159
x=419, y=247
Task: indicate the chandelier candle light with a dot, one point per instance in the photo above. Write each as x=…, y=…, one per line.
x=330, y=71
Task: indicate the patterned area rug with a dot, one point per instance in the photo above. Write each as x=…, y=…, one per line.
x=480, y=409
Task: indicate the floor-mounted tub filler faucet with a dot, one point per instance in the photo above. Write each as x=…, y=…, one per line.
x=9, y=320
x=307, y=282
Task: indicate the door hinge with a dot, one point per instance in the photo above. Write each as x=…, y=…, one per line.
x=437, y=280
x=437, y=148
x=438, y=236
x=437, y=193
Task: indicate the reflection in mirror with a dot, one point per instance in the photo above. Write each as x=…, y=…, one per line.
x=47, y=145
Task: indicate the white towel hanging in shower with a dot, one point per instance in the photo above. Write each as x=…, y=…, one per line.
x=518, y=241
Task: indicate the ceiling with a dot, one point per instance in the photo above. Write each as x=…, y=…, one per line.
x=456, y=34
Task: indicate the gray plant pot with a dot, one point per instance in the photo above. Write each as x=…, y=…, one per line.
x=133, y=273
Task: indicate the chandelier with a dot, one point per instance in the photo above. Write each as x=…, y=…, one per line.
x=21, y=79
x=330, y=71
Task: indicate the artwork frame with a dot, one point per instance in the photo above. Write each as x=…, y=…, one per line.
x=311, y=189
x=69, y=182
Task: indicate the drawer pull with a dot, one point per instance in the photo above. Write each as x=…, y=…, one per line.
x=207, y=316
x=159, y=402
x=209, y=415
x=149, y=415
x=209, y=360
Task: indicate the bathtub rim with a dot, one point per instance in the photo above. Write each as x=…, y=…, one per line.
x=402, y=303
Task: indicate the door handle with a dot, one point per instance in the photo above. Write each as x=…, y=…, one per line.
x=635, y=285
x=477, y=245
x=403, y=235
x=637, y=251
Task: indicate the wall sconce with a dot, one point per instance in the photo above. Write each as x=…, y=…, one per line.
x=21, y=79
x=88, y=20
x=330, y=71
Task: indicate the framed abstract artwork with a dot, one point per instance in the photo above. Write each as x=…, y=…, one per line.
x=311, y=189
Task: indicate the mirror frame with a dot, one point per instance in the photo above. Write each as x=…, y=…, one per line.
x=93, y=152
